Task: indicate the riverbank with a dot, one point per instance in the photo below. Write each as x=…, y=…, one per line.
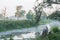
x=39, y=28
x=6, y=25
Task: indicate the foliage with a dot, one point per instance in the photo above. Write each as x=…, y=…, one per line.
x=38, y=12
x=42, y=38
x=52, y=36
x=55, y=35
x=17, y=24
x=42, y=22
x=55, y=29
x=11, y=38
x=30, y=15
x=55, y=15
x=22, y=12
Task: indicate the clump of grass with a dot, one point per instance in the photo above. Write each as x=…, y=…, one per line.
x=42, y=22
x=55, y=29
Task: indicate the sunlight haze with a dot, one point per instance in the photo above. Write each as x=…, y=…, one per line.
x=27, y=5
x=11, y=5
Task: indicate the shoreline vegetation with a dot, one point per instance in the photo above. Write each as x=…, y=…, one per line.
x=19, y=24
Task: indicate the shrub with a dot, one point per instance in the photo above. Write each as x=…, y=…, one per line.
x=18, y=24
x=55, y=29
x=11, y=38
x=54, y=35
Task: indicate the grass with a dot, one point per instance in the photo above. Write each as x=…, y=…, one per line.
x=53, y=35
x=18, y=24
x=46, y=21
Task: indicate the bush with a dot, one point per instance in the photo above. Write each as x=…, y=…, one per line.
x=55, y=15
x=55, y=29
x=11, y=38
x=54, y=35
x=18, y=24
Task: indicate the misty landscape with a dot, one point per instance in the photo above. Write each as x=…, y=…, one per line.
x=29, y=19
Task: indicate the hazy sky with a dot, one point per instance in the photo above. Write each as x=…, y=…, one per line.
x=27, y=5
x=11, y=5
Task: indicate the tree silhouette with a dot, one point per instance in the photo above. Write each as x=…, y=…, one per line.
x=30, y=15
x=38, y=10
x=22, y=12
x=18, y=9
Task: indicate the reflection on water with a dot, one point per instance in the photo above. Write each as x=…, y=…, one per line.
x=26, y=36
x=31, y=31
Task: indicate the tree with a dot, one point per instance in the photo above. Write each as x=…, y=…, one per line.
x=55, y=15
x=30, y=15
x=38, y=11
x=22, y=12
x=18, y=9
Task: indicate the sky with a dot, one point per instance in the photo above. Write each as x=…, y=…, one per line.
x=11, y=5
x=27, y=5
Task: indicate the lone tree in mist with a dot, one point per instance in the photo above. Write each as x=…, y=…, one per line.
x=38, y=8
x=18, y=9
x=30, y=15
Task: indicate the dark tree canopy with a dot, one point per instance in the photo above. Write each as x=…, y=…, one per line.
x=55, y=15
